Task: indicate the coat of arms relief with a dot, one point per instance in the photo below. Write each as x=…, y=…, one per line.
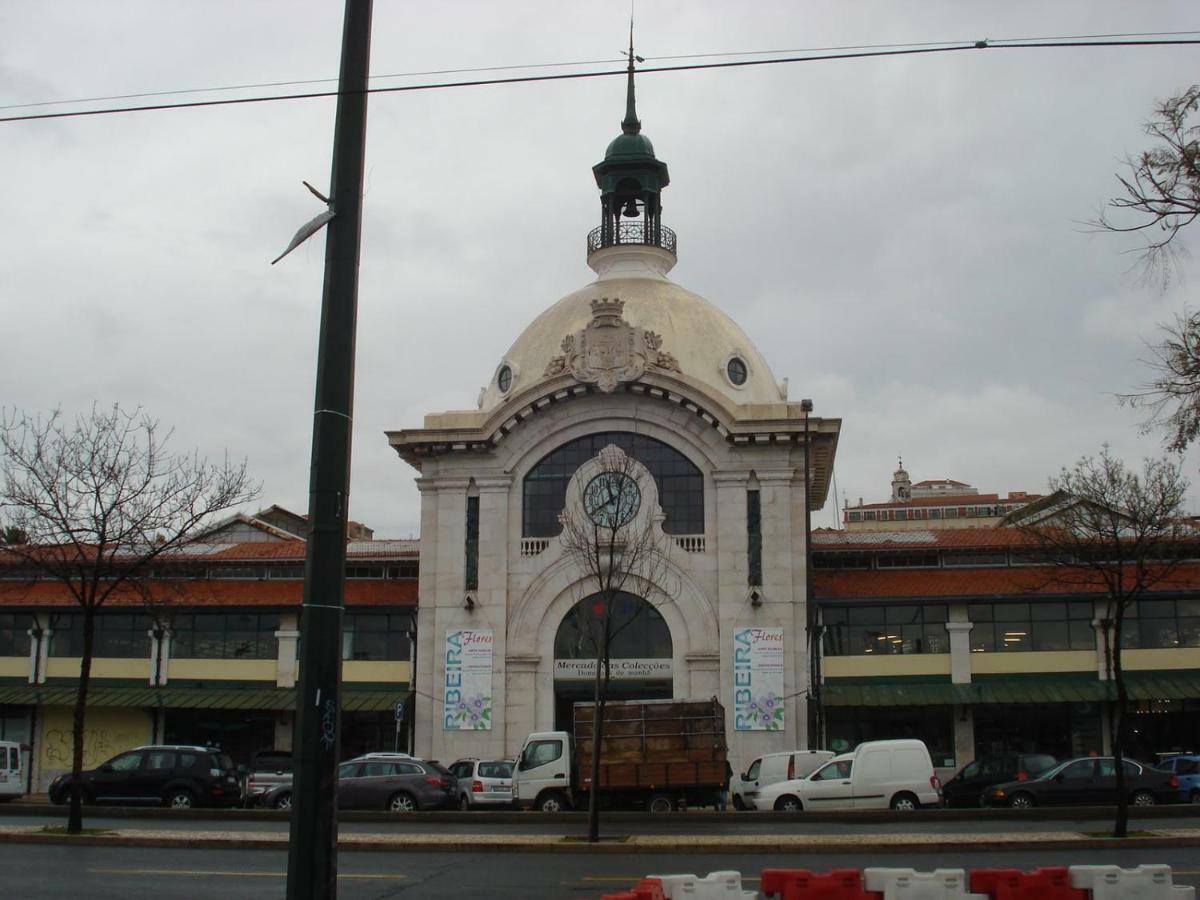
x=609, y=351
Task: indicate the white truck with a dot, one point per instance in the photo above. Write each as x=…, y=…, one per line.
x=657, y=755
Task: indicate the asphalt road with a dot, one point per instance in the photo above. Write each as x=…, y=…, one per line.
x=100, y=873
x=686, y=824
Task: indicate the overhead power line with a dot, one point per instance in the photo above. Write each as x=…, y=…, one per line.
x=584, y=62
x=567, y=76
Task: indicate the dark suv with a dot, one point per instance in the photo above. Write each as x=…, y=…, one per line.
x=968, y=786
x=179, y=776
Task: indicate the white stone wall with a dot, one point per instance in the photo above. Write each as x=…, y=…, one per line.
x=523, y=599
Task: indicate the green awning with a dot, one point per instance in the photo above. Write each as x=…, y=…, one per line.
x=1161, y=685
x=353, y=699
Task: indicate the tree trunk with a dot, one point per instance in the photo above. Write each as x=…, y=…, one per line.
x=1117, y=728
x=75, y=815
x=598, y=730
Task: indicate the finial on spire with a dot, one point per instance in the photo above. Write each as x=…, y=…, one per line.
x=630, y=124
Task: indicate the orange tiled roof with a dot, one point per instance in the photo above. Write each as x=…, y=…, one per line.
x=365, y=592
x=947, y=500
x=983, y=583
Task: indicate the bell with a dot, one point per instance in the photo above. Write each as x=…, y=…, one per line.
x=631, y=210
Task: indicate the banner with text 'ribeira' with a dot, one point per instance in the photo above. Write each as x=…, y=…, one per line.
x=467, y=701
x=758, y=679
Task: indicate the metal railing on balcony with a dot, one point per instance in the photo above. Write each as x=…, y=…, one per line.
x=633, y=231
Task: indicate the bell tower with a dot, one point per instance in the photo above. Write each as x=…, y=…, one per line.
x=631, y=179
x=901, y=485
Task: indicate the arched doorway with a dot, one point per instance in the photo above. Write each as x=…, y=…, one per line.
x=640, y=654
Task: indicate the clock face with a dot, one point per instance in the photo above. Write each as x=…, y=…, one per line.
x=611, y=499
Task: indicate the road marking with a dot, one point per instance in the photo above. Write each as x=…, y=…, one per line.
x=210, y=873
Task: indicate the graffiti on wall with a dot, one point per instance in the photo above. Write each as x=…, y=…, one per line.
x=107, y=732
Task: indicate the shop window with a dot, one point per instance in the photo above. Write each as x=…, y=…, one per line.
x=1162, y=625
x=379, y=637
x=14, y=634
x=117, y=635
x=848, y=726
x=1042, y=625
x=887, y=630
x=225, y=636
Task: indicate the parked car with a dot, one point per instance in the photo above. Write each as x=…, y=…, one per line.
x=1185, y=767
x=387, y=781
x=967, y=787
x=483, y=782
x=177, y=775
x=775, y=767
x=268, y=770
x=1090, y=781
x=875, y=775
x=12, y=773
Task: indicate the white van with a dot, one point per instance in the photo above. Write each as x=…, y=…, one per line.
x=774, y=767
x=876, y=775
x=12, y=775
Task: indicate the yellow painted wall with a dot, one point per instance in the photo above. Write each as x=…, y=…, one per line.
x=222, y=669
x=1181, y=658
x=102, y=667
x=871, y=666
x=14, y=666
x=381, y=672
x=107, y=732
x=1033, y=661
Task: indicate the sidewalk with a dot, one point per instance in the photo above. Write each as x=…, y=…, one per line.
x=500, y=843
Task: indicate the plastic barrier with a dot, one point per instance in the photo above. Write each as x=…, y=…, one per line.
x=713, y=886
x=646, y=889
x=1142, y=883
x=908, y=884
x=801, y=884
x=1012, y=884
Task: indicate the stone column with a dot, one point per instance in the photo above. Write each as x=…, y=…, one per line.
x=495, y=545
x=520, y=708
x=288, y=636
x=959, y=629
x=39, y=648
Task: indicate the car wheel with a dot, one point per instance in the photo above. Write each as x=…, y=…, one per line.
x=1195, y=798
x=283, y=801
x=1022, y=800
x=402, y=802
x=738, y=803
x=788, y=803
x=551, y=802
x=905, y=803
x=660, y=803
x=464, y=803
x=180, y=799
x=1143, y=798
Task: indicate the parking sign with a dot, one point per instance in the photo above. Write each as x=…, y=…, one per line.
x=399, y=710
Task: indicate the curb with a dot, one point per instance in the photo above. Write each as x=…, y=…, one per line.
x=632, y=846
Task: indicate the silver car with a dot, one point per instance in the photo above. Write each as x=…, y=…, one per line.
x=483, y=782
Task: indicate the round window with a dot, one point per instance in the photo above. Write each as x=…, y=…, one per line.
x=736, y=370
x=504, y=379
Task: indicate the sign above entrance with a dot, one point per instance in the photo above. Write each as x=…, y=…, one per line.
x=619, y=669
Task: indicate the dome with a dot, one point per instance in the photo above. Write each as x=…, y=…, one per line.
x=708, y=346
x=629, y=146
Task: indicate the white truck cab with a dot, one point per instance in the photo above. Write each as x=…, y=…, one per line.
x=542, y=777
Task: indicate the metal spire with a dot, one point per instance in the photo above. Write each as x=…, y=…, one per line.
x=630, y=124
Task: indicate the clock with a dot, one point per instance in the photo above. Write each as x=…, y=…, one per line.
x=611, y=499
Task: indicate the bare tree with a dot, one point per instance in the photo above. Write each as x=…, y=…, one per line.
x=1161, y=187
x=617, y=545
x=1160, y=197
x=99, y=500
x=1111, y=530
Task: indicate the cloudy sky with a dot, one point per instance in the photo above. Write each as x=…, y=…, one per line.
x=902, y=237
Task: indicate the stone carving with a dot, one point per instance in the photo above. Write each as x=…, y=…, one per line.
x=609, y=351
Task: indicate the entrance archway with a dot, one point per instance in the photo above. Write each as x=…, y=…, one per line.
x=640, y=654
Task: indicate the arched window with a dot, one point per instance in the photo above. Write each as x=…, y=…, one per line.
x=680, y=484
x=638, y=630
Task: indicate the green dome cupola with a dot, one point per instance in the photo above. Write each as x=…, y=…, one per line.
x=631, y=179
